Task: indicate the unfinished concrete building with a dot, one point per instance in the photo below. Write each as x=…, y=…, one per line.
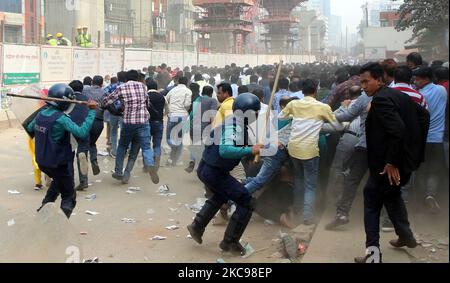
x=223, y=25
x=279, y=38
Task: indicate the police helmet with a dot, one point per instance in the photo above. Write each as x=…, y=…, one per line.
x=247, y=101
x=61, y=91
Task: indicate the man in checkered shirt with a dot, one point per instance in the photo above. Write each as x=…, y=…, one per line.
x=135, y=130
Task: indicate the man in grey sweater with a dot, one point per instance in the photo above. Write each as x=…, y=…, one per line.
x=358, y=164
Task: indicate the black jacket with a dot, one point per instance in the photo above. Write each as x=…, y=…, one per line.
x=397, y=130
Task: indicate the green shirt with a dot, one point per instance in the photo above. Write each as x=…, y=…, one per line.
x=65, y=124
x=228, y=149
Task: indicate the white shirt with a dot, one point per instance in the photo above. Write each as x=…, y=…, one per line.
x=179, y=100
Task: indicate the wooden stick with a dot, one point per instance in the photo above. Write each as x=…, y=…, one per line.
x=272, y=97
x=48, y=99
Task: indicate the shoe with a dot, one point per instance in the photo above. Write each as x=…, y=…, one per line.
x=191, y=167
x=117, y=176
x=433, y=205
x=233, y=247
x=82, y=187
x=387, y=226
x=339, y=220
x=125, y=178
x=196, y=234
x=95, y=168
x=153, y=175
x=399, y=243
x=38, y=187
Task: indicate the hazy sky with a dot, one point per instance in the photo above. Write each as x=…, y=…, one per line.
x=350, y=11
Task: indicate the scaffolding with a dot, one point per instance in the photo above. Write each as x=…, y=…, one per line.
x=223, y=25
x=279, y=36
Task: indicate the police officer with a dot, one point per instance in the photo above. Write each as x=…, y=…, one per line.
x=229, y=147
x=52, y=129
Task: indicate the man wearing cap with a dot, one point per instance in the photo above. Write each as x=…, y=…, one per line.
x=78, y=38
x=87, y=38
x=63, y=41
x=51, y=40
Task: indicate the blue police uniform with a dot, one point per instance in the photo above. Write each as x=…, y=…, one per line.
x=54, y=155
x=214, y=171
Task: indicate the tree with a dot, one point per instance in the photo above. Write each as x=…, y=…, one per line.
x=429, y=22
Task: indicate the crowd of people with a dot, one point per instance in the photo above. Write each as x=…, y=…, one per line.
x=334, y=123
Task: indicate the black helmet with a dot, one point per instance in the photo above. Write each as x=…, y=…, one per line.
x=247, y=101
x=61, y=91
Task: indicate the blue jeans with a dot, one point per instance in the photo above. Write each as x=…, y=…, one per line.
x=139, y=137
x=157, y=128
x=175, y=139
x=270, y=168
x=306, y=172
x=115, y=123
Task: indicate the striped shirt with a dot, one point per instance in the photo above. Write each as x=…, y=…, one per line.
x=416, y=96
x=308, y=115
x=135, y=99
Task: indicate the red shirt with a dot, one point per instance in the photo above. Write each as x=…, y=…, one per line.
x=444, y=84
x=416, y=96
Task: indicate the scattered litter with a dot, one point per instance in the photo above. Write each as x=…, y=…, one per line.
x=249, y=250
x=173, y=227
x=301, y=249
x=105, y=172
x=198, y=205
x=220, y=260
x=433, y=250
x=168, y=194
x=73, y=214
x=130, y=192
x=14, y=192
x=103, y=153
x=426, y=245
x=173, y=209
x=91, y=197
x=158, y=238
x=98, y=181
x=189, y=236
x=136, y=189
x=171, y=220
x=90, y=184
x=91, y=212
x=163, y=189
x=94, y=260
x=288, y=246
x=150, y=211
x=11, y=222
x=83, y=233
x=128, y=220
x=150, y=219
x=269, y=222
x=178, y=236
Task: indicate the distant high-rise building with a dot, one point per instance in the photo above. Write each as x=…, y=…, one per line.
x=322, y=6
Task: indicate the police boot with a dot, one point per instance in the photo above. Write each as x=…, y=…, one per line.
x=234, y=232
x=197, y=228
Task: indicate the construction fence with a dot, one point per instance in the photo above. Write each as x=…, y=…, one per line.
x=30, y=64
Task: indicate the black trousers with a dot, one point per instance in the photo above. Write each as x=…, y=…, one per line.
x=94, y=134
x=379, y=192
x=62, y=183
